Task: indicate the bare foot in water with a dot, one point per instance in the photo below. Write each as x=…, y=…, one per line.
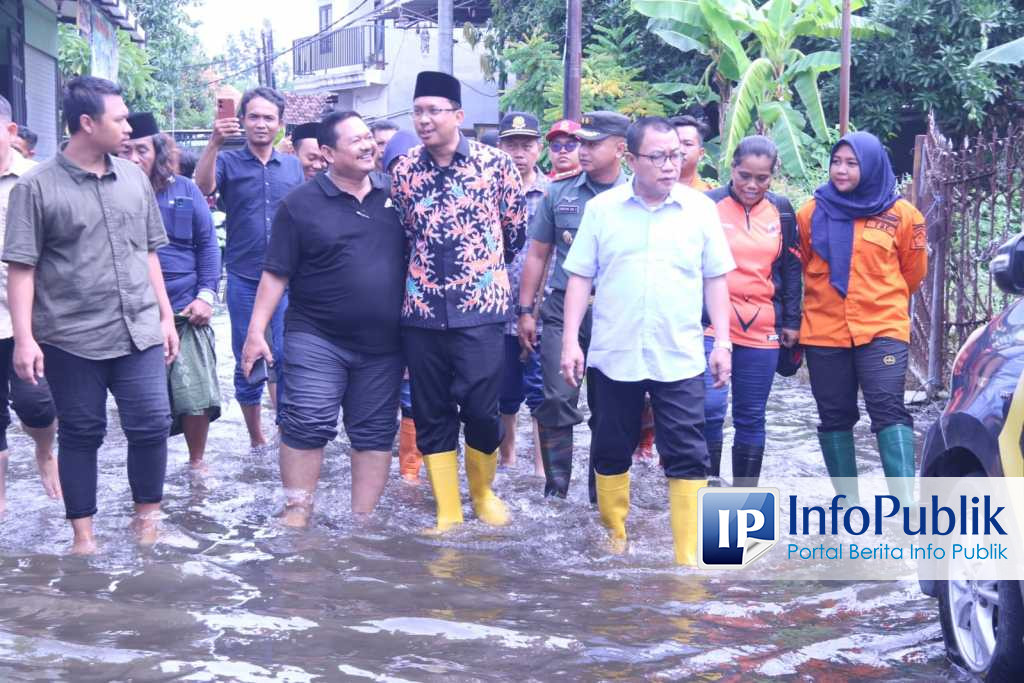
x=295, y=516
x=83, y=546
x=198, y=467
x=47, y=464
x=146, y=523
x=85, y=542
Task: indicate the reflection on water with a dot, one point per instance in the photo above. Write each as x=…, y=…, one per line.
x=229, y=595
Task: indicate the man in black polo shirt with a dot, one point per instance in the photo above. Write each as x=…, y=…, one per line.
x=337, y=245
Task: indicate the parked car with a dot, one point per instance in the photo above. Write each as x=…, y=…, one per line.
x=979, y=435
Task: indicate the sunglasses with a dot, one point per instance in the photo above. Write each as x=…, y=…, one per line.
x=559, y=147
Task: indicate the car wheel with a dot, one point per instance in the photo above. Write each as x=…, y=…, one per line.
x=983, y=625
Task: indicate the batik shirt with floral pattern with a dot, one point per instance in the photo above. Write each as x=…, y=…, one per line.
x=464, y=223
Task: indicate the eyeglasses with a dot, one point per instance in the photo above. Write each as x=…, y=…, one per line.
x=559, y=147
x=433, y=112
x=659, y=158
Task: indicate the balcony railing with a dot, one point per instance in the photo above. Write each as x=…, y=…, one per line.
x=354, y=46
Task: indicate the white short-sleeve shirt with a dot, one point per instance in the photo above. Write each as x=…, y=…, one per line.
x=649, y=266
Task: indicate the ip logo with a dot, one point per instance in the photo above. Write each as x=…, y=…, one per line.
x=736, y=525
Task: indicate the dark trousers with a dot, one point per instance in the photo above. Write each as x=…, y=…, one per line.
x=678, y=424
x=560, y=407
x=321, y=378
x=878, y=369
x=455, y=375
x=138, y=382
x=32, y=402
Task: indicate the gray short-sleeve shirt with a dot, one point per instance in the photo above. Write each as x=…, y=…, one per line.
x=88, y=238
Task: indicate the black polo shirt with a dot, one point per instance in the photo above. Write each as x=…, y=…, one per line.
x=345, y=261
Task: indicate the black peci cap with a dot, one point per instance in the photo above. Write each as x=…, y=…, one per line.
x=438, y=84
x=143, y=125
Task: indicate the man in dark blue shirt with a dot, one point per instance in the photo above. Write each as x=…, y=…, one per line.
x=252, y=181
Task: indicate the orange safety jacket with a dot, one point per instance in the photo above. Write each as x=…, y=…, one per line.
x=764, y=288
x=889, y=262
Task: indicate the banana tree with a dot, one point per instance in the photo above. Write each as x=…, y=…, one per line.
x=755, y=67
x=1007, y=53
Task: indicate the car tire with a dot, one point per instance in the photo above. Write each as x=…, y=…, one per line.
x=983, y=636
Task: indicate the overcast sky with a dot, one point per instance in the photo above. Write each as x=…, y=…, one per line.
x=290, y=19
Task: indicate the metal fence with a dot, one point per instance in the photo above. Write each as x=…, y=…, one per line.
x=972, y=197
x=353, y=46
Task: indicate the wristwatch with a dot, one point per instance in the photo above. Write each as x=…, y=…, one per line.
x=207, y=296
x=727, y=345
x=524, y=310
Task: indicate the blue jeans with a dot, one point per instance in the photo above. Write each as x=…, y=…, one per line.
x=521, y=380
x=753, y=370
x=241, y=296
x=138, y=382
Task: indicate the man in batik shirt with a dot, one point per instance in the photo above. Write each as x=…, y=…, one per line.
x=464, y=213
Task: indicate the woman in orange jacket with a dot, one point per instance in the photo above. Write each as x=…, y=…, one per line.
x=864, y=254
x=764, y=297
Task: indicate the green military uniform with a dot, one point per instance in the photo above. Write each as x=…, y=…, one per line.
x=556, y=223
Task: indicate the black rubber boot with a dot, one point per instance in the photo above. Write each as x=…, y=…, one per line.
x=746, y=464
x=556, y=455
x=715, y=473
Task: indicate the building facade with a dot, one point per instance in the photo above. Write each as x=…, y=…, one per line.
x=29, y=76
x=367, y=56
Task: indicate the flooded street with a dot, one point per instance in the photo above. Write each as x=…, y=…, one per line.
x=229, y=595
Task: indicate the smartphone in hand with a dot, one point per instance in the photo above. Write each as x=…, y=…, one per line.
x=225, y=108
x=258, y=374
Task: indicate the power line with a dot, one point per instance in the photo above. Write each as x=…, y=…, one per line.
x=322, y=31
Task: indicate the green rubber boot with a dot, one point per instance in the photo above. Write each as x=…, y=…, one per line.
x=896, y=448
x=840, y=459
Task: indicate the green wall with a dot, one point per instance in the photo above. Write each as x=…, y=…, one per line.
x=40, y=28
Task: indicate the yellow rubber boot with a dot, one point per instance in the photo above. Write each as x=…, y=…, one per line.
x=409, y=457
x=443, y=469
x=480, y=468
x=613, y=504
x=682, y=501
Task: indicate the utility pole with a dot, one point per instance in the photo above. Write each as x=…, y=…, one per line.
x=573, y=57
x=260, y=73
x=269, y=51
x=844, y=69
x=445, y=38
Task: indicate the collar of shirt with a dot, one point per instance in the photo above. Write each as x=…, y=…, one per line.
x=675, y=196
x=332, y=190
x=18, y=166
x=540, y=182
x=584, y=179
x=80, y=175
x=275, y=156
x=461, y=150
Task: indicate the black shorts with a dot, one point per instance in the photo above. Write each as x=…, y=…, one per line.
x=321, y=377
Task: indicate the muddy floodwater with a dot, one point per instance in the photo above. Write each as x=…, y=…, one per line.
x=227, y=595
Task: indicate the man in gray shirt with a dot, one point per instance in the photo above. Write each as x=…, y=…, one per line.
x=87, y=300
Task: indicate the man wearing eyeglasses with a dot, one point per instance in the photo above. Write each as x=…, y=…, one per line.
x=602, y=138
x=655, y=250
x=465, y=217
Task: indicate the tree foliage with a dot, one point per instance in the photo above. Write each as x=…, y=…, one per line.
x=179, y=96
x=134, y=72
x=927, y=66
x=516, y=21
x=609, y=78
x=765, y=82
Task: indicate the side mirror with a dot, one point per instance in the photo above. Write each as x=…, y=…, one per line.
x=1007, y=266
